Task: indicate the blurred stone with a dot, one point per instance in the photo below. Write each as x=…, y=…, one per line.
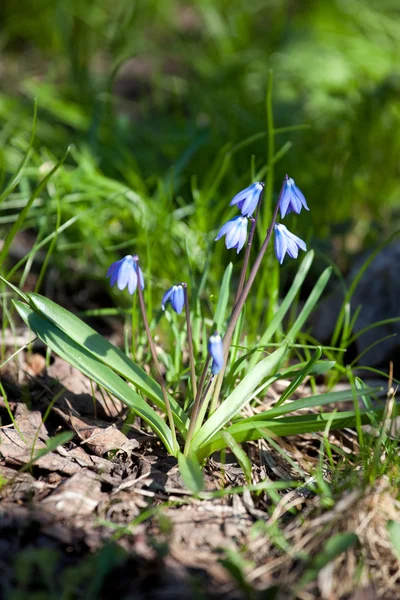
x=378, y=293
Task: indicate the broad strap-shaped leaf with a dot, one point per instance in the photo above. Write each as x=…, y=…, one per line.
x=312, y=402
x=190, y=471
x=247, y=430
x=241, y=395
x=107, y=353
x=90, y=366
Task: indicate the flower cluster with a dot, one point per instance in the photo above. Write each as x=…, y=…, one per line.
x=291, y=199
x=235, y=230
x=126, y=273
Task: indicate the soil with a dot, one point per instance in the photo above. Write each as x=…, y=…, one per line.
x=106, y=514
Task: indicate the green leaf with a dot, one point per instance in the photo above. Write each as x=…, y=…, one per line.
x=223, y=298
x=286, y=303
x=21, y=217
x=87, y=364
x=51, y=444
x=393, y=528
x=311, y=402
x=191, y=473
x=240, y=454
x=309, y=305
x=248, y=429
x=320, y=368
x=17, y=175
x=241, y=395
x=14, y=288
x=107, y=353
x=333, y=547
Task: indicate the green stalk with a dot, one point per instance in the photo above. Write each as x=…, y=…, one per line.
x=240, y=303
x=156, y=363
x=190, y=341
x=194, y=417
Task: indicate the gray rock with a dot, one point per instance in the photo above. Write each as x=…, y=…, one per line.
x=378, y=293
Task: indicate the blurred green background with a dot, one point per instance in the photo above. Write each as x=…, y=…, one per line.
x=158, y=99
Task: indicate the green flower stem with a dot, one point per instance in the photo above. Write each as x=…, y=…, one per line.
x=237, y=309
x=156, y=363
x=241, y=283
x=196, y=408
x=190, y=341
x=246, y=257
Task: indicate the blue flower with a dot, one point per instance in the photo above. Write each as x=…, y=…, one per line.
x=285, y=241
x=236, y=233
x=124, y=273
x=247, y=199
x=176, y=296
x=216, y=350
x=292, y=199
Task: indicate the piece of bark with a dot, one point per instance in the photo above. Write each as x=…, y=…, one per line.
x=99, y=436
x=78, y=495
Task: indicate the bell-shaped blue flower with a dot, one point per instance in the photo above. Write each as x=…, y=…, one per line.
x=124, y=273
x=236, y=233
x=247, y=199
x=285, y=241
x=216, y=350
x=292, y=198
x=176, y=296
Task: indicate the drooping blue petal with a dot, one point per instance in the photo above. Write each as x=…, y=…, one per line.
x=178, y=299
x=298, y=241
x=216, y=350
x=292, y=248
x=287, y=242
x=248, y=199
x=141, y=278
x=114, y=267
x=285, y=201
x=132, y=282
x=300, y=195
x=280, y=245
x=225, y=228
x=242, y=237
x=232, y=236
x=124, y=272
x=166, y=297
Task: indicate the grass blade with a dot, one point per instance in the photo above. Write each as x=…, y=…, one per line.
x=300, y=377
x=223, y=298
x=286, y=303
x=21, y=217
x=309, y=305
x=247, y=430
x=240, y=454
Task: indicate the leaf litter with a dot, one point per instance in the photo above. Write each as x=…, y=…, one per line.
x=111, y=492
